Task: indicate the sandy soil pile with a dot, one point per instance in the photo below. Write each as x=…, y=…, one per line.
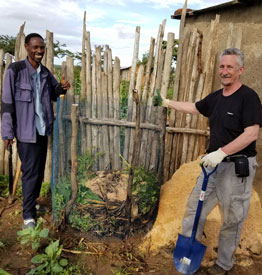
x=173, y=199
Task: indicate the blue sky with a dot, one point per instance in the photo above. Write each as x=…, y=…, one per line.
x=110, y=22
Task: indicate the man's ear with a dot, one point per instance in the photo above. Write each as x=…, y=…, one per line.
x=241, y=69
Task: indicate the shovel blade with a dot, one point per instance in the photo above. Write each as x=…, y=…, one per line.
x=188, y=255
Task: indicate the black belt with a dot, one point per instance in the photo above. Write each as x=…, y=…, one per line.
x=232, y=158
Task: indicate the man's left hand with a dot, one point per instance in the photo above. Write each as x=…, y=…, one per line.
x=213, y=159
x=64, y=83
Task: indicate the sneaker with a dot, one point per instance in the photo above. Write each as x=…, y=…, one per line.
x=41, y=209
x=29, y=223
x=216, y=270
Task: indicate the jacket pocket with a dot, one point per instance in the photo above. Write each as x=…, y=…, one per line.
x=23, y=93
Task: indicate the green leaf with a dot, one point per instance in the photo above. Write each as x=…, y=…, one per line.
x=35, y=245
x=24, y=241
x=3, y=272
x=38, y=259
x=44, y=233
x=63, y=262
x=52, y=249
x=57, y=268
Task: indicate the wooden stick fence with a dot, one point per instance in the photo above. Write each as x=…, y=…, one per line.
x=100, y=127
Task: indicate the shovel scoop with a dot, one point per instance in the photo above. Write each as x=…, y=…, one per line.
x=189, y=252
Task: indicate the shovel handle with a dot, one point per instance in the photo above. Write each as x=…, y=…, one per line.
x=201, y=199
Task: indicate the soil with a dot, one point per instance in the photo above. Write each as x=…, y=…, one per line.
x=96, y=256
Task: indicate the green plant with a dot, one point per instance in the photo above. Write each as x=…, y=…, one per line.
x=49, y=262
x=145, y=185
x=124, y=90
x=3, y=272
x=77, y=80
x=86, y=162
x=45, y=189
x=33, y=236
x=3, y=186
x=84, y=222
x=85, y=193
x=121, y=271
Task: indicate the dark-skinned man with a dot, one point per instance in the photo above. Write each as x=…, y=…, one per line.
x=235, y=116
x=27, y=115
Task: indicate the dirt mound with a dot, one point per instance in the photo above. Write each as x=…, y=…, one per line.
x=173, y=199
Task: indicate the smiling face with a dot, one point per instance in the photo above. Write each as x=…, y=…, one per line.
x=35, y=51
x=229, y=70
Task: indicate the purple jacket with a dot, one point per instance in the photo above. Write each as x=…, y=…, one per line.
x=18, y=110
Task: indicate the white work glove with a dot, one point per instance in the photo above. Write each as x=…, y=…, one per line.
x=165, y=102
x=158, y=100
x=213, y=159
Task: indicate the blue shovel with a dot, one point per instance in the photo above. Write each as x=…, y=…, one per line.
x=188, y=252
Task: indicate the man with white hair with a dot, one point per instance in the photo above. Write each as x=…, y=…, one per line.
x=235, y=116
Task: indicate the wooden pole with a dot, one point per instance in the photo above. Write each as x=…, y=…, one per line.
x=169, y=142
x=145, y=98
x=61, y=137
x=83, y=68
x=209, y=70
x=88, y=90
x=116, y=102
x=110, y=103
x=191, y=93
x=129, y=200
x=49, y=57
x=163, y=111
x=94, y=111
x=18, y=43
x=131, y=87
x=105, y=129
x=138, y=88
x=70, y=77
x=150, y=114
x=74, y=187
x=99, y=102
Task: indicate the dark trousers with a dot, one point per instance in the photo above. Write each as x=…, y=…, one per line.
x=33, y=158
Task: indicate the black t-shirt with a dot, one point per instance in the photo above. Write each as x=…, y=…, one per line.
x=230, y=115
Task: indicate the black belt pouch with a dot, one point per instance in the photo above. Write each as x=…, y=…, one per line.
x=241, y=166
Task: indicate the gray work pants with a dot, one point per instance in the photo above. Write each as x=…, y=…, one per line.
x=233, y=194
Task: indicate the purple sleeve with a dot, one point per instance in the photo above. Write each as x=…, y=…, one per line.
x=8, y=109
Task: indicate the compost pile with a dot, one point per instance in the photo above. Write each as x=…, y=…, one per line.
x=173, y=199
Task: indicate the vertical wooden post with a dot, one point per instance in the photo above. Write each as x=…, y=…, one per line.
x=70, y=77
x=88, y=90
x=162, y=113
x=140, y=75
x=151, y=114
x=99, y=102
x=129, y=200
x=94, y=110
x=105, y=131
x=193, y=76
x=20, y=52
x=169, y=142
x=83, y=68
x=131, y=87
x=116, y=102
x=145, y=98
x=49, y=58
x=49, y=51
x=209, y=70
x=74, y=186
x=110, y=103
